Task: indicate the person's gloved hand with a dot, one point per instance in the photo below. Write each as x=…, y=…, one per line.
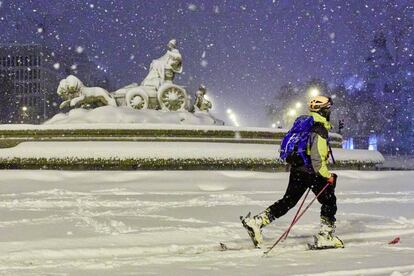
x=332, y=179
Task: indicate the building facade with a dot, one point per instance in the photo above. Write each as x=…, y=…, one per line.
x=30, y=75
x=31, y=79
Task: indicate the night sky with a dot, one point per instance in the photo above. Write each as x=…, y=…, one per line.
x=241, y=50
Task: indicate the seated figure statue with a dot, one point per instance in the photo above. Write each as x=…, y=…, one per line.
x=163, y=69
x=157, y=90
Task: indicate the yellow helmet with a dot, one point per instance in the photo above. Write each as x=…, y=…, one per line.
x=319, y=102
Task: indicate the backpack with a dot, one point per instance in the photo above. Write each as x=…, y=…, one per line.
x=294, y=144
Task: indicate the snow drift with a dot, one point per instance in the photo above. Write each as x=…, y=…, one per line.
x=126, y=115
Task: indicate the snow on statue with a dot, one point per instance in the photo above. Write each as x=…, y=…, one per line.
x=201, y=103
x=156, y=91
x=74, y=93
x=163, y=69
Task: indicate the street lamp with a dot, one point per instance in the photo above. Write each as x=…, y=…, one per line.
x=292, y=112
x=298, y=105
x=314, y=91
x=24, y=114
x=232, y=117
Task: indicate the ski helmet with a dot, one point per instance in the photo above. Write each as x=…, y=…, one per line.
x=319, y=102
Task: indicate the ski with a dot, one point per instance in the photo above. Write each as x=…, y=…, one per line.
x=224, y=247
x=230, y=247
x=311, y=246
x=236, y=247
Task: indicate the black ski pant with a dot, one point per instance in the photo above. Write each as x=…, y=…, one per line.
x=299, y=181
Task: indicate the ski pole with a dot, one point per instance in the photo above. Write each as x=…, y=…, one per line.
x=330, y=152
x=297, y=219
x=297, y=212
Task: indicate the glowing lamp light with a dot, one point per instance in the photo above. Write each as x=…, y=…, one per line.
x=314, y=92
x=292, y=112
x=24, y=108
x=232, y=116
x=273, y=125
x=298, y=105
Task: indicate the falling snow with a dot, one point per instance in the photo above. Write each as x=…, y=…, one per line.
x=192, y=7
x=244, y=53
x=80, y=49
x=204, y=63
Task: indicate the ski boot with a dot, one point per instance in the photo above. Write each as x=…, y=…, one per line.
x=326, y=239
x=254, y=225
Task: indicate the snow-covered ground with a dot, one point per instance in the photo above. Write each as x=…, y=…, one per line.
x=171, y=223
x=398, y=162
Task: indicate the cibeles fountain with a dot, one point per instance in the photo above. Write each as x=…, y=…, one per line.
x=154, y=124
x=157, y=99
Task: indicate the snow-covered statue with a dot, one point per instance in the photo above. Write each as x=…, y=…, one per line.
x=201, y=103
x=156, y=91
x=75, y=94
x=163, y=69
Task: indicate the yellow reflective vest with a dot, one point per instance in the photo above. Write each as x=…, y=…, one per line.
x=318, y=148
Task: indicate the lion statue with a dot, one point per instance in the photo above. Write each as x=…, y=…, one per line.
x=75, y=94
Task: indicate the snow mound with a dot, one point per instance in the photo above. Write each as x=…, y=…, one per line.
x=125, y=115
x=211, y=187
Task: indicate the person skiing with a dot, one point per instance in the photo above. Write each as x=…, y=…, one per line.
x=310, y=173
